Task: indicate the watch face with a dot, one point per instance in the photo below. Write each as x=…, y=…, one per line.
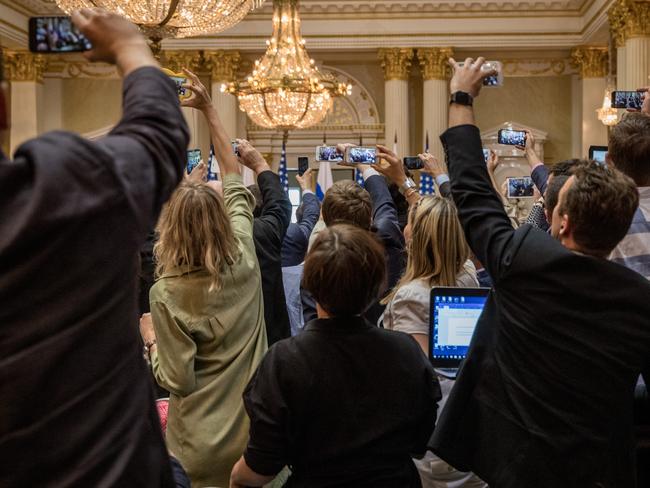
x=461, y=98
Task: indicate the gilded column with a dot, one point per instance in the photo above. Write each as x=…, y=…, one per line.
x=617, y=28
x=396, y=63
x=223, y=66
x=435, y=72
x=591, y=63
x=191, y=60
x=24, y=72
x=630, y=24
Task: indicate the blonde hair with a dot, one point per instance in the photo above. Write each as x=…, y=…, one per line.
x=195, y=231
x=438, y=250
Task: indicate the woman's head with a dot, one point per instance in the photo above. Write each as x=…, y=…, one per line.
x=195, y=231
x=437, y=249
x=345, y=270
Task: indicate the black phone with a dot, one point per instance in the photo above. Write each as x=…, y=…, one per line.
x=511, y=137
x=303, y=165
x=627, y=99
x=56, y=35
x=413, y=163
x=193, y=159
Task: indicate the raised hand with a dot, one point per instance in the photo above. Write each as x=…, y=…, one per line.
x=394, y=170
x=251, y=157
x=432, y=165
x=200, y=98
x=305, y=180
x=199, y=174
x=469, y=77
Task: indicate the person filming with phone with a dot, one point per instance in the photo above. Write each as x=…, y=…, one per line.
x=76, y=404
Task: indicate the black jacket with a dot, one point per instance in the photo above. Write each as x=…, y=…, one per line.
x=545, y=396
x=268, y=231
x=76, y=408
x=386, y=226
x=296, y=241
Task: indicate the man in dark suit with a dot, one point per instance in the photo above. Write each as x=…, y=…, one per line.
x=545, y=396
x=296, y=240
x=76, y=408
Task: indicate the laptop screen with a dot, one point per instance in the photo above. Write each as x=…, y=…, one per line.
x=455, y=312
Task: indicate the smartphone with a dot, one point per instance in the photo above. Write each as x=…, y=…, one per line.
x=520, y=187
x=235, y=147
x=627, y=99
x=360, y=155
x=511, y=137
x=486, y=155
x=56, y=35
x=193, y=159
x=328, y=153
x=413, y=163
x=303, y=165
x=492, y=80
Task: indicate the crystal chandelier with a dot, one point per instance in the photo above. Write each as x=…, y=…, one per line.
x=606, y=114
x=159, y=19
x=286, y=90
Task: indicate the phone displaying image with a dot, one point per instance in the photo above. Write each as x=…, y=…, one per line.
x=360, y=155
x=492, y=80
x=511, y=137
x=520, y=187
x=56, y=35
x=413, y=163
x=193, y=159
x=328, y=153
x=235, y=147
x=627, y=99
x=303, y=165
x=486, y=155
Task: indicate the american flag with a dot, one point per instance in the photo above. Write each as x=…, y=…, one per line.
x=282, y=172
x=426, y=181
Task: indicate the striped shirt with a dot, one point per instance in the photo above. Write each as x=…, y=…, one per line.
x=634, y=250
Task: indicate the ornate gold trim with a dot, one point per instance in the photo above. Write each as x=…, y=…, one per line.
x=223, y=65
x=628, y=19
x=434, y=62
x=396, y=62
x=24, y=66
x=177, y=60
x=590, y=61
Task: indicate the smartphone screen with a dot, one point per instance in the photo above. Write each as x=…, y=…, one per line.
x=413, y=163
x=193, y=159
x=520, y=187
x=511, y=137
x=486, y=155
x=627, y=99
x=328, y=153
x=492, y=80
x=179, y=82
x=303, y=165
x=56, y=35
x=361, y=155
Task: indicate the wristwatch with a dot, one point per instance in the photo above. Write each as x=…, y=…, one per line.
x=408, y=184
x=461, y=98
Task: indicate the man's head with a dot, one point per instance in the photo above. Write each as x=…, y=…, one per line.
x=552, y=194
x=347, y=202
x=345, y=270
x=594, y=210
x=629, y=147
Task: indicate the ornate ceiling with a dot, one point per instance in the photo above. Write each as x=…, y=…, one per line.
x=367, y=25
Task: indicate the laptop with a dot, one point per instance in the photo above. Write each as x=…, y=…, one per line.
x=453, y=318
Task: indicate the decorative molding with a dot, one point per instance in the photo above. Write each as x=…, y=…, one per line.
x=537, y=67
x=24, y=66
x=434, y=62
x=629, y=18
x=77, y=67
x=396, y=62
x=223, y=65
x=591, y=62
x=177, y=60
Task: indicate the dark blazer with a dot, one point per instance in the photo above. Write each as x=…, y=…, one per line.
x=344, y=404
x=268, y=231
x=545, y=396
x=386, y=226
x=76, y=407
x=296, y=241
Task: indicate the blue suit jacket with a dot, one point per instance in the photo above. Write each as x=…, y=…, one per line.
x=296, y=240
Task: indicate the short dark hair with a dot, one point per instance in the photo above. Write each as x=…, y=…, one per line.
x=345, y=270
x=600, y=204
x=347, y=202
x=259, y=200
x=629, y=147
x=553, y=192
x=565, y=168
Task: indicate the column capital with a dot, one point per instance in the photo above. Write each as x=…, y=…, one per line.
x=24, y=66
x=590, y=61
x=396, y=62
x=434, y=62
x=223, y=65
x=177, y=60
x=629, y=18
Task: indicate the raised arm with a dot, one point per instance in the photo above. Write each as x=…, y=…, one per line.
x=438, y=169
x=487, y=227
x=310, y=205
